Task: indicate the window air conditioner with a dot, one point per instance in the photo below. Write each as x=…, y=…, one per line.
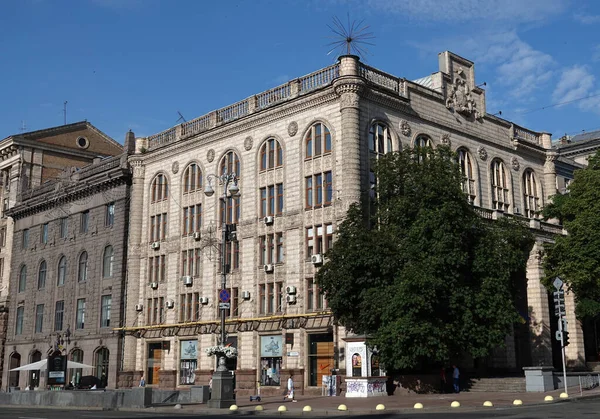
x=156, y=245
x=269, y=219
x=290, y=289
x=204, y=300
x=316, y=259
x=187, y=280
x=154, y=285
x=170, y=303
x=246, y=295
x=291, y=299
x=139, y=307
x=197, y=235
x=269, y=268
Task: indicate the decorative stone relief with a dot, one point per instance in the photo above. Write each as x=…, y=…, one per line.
x=248, y=142
x=292, y=128
x=405, y=128
x=482, y=153
x=459, y=97
x=515, y=163
x=350, y=100
x=175, y=167
x=210, y=156
x=446, y=139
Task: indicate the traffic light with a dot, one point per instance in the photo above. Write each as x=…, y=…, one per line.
x=565, y=338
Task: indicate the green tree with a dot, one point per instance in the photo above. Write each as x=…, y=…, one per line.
x=419, y=271
x=575, y=258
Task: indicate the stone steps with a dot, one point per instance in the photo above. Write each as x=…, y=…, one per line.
x=502, y=384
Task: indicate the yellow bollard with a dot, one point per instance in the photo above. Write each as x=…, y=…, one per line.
x=342, y=407
x=517, y=402
x=564, y=396
x=259, y=408
x=233, y=407
x=418, y=406
x=307, y=409
x=488, y=403
x=548, y=398
x=282, y=409
x=455, y=404
x=380, y=407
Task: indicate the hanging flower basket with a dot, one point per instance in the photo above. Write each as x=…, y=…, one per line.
x=226, y=351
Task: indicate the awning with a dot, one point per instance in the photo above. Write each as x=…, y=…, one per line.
x=41, y=365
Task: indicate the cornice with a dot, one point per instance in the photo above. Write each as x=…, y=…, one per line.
x=399, y=103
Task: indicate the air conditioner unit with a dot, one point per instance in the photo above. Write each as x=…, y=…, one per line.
x=316, y=259
x=291, y=299
x=246, y=295
x=154, y=285
x=204, y=300
x=290, y=289
x=197, y=235
x=269, y=219
x=187, y=280
x=155, y=245
x=269, y=268
x=139, y=307
x=170, y=303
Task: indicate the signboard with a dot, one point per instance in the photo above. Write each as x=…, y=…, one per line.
x=224, y=306
x=224, y=295
x=57, y=367
x=189, y=349
x=271, y=346
x=558, y=283
x=293, y=353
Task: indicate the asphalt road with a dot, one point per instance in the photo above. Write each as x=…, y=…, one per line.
x=573, y=409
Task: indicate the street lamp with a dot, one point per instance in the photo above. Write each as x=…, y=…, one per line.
x=222, y=395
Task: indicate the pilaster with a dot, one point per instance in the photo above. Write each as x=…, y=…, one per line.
x=575, y=352
x=550, y=176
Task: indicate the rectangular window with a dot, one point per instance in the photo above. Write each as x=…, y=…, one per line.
x=310, y=241
x=318, y=190
x=158, y=227
x=309, y=192
x=270, y=298
x=59, y=313
x=84, y=222
x=271, y=193
x=192, y=219
x=235, y=248
x=310, y=294
x=105, y=311
x=263, y=202
x=39, y=318
x=261, y=298
x=231, y=210
x=262, y=246
x=279, y=245
x=279, y=198
x=186, y=221
x=25, y=239
x=19, y=322
x=233, y=303
x=64, y=227
x=80, y=317
x=109, y=218
x=44, y=233
x=2, y=236
x=319, y=239
x=157, y=267
x=197, y=262
x=328, y=186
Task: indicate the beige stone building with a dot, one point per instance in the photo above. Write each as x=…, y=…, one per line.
x=28, y=160
x=302, y=153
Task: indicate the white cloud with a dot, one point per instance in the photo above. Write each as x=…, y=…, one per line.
x=575, y=83
x=459, y=11
x=586, y=19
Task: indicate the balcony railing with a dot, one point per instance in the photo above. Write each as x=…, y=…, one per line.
x=382, y=79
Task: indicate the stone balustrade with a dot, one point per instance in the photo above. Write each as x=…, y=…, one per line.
x=527, y=135
x=379, y=78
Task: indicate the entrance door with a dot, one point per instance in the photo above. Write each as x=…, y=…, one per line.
x=34, y=376
x=320, y=357
x=15, y=362
x=154, y=362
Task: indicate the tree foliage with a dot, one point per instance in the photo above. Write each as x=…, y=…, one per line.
x=419, y=271
x=576, y=257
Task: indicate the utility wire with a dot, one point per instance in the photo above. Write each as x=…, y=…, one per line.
x=525, y=112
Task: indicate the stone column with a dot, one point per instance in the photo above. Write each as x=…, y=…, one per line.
x=134, y=252
x=549, y=177
x=347, y=144
x=575, y=352
x=539, y=312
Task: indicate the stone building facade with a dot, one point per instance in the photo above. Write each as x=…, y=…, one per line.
x=28, y=160
x=67, y=276
x=302, y=153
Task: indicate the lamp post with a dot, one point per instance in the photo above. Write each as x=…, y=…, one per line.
x=222, y=383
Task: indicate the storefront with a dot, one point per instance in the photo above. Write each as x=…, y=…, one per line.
x=188, y=361
x=320, y=357
x=154, y=362
x=271, y=355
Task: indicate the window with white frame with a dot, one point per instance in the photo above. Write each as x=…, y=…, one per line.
x=83, y=267
x=500, y=191
x=465, y=162
x=319, y=239
x=105, y=307
x=44, y=234
x=62, y=271
x=19, y=320
x=107, y=262
x=64, y=227
x=22, y=278
x=59, y=313
x=109, y=216
x=42, y=275
x=380, y=138
x=80, y=314
x=531, y=197
x=39, y=318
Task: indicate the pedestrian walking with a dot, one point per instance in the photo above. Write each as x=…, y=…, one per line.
x=456, y=378
x=142, y=382
x=290, y=388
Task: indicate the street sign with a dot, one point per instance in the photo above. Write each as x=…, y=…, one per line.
x=558, y=283
x=224, y=295
x=224, y=306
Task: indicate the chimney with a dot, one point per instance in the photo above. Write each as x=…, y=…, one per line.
x=129, y=146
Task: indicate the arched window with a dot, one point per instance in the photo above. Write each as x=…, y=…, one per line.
x=83, y=267
x=271, y=155
x=160, y=188
x=34, y=376
x=62, y=271
x=380, y=139
x=230, y=209
x=75, y=373
x=192, y=179
x=102, y=363
x=230, y=163
x=500, y=199
x=531, y=197
x=465, y=163
x=423, y=141
x=42, y=275
x=317, y=141
x=22, y=278
x=107, y=262
x=356, y=365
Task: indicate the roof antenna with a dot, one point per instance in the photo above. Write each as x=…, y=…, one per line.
x=180, y=117
x=497, y=113
x=65, y=112
x=350, y=38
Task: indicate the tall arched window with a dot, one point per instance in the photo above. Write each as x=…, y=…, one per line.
x=102, y=363
x=42, y=275
x=423, y=141
x=531, y=197
x=75, y=373
x=23, y=278
x=317, y=141
x=230, y=209
x=160, y=188
x=466, y=169
x=271, y=155
x=83, y=267
x=192, y=179
x=380, y=139
x=62, y=271
x=500, y=192
x=107, y=262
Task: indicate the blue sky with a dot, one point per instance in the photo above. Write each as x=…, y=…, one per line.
x=133, y=64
